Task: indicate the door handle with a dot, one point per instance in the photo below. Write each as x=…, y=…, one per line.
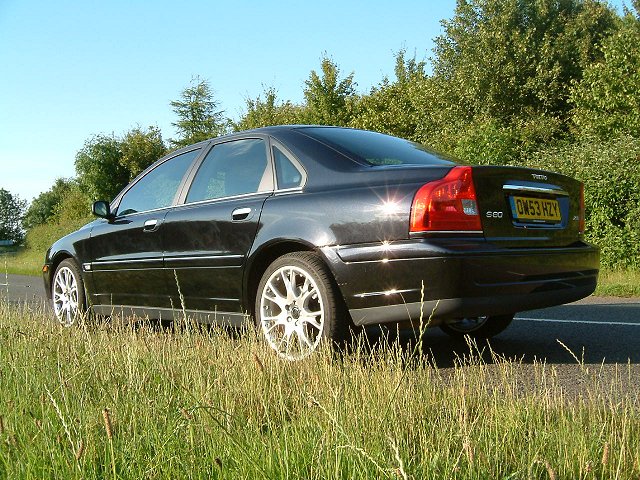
x=151, y=225
x=241, y=214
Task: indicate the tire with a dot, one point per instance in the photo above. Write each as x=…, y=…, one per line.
x=67, y=293
x=298, y=306
x=477, y=327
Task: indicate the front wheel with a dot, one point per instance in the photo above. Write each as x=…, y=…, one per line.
x=477, y=327
x=67, y=293
x=298, y=307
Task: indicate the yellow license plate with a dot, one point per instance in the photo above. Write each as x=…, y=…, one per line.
x=541, y=209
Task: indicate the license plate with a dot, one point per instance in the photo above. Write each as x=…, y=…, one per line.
x=535, y=209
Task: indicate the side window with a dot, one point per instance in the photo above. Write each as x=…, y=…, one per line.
x=287, y=174
x=232, y=168
x=158, y=187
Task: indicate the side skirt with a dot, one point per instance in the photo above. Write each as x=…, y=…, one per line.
x=231, y=319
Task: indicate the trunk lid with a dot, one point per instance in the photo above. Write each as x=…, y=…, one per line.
x=522, y=207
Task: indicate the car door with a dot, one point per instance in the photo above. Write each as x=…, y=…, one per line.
x=126, y=250
x=206, y=239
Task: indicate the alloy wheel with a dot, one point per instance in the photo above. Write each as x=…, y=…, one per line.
x=292, y=312
x=65, y=296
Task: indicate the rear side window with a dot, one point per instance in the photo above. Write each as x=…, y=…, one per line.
x=158, y=187
x=287, y=174
x=376, y=149
x=232, y=168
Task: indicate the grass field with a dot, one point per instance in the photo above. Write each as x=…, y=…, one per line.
x=132, y=401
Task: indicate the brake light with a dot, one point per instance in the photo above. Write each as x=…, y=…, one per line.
x=448, y=204
x=582, y=214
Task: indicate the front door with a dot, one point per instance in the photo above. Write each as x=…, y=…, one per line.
x=127, y=251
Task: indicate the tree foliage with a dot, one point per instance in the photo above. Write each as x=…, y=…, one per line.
x=607, y=100
x=394, y=107
x=141, y=148
x=12, y=209
x=100, y=172
x=106, y=164
x=510, y=58
x=43, y=207
x=328, y=97
x=268, y=110
x=198, y=114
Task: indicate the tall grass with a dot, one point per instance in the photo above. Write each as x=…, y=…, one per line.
x=117, y=399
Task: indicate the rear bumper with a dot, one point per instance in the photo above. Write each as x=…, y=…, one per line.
x=445, y=279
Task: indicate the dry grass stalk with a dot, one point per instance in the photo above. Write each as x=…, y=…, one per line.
x=186, y=414
x=399, y=471
x=107, y=423
x=550, y=471
x=469, y=450
x=80, y=450
x=258, y=363
x=605, y=454
x=1, y=424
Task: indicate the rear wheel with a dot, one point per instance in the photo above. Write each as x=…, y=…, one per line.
x=67, y=293
x=298, y=307
x=478, y=327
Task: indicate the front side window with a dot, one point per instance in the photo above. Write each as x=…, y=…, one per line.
x=232, y=168
x=158, y=187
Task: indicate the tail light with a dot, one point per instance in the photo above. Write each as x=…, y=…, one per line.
x=448, y=204
x=581, y=224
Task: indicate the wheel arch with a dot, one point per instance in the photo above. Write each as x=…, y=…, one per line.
x=260, y=260
x=56, y=260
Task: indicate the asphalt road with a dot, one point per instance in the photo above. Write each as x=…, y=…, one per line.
x=597, y=330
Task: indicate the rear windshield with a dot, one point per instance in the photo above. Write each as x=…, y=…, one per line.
x=376, y=149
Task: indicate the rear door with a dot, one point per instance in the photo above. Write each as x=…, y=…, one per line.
x=206, y=239
x=522, y=207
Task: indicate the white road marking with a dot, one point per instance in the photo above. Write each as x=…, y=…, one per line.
x=552, y=320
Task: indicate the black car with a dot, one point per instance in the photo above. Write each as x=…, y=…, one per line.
x=310, y=230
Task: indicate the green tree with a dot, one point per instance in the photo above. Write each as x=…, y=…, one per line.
x=43, y=207
x=74, y=206
x=505, y=58
x=99, y=167
x=391, y=107
x=262, y=112
x=328, y=98
x=607, y=100
x=12, y=210
x=106, y=164
x=198, y=114
x=140, y=148
x=502, y=74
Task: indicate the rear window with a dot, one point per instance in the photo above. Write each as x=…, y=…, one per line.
x=376, y=149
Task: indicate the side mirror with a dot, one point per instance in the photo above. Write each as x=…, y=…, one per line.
x=101, y=209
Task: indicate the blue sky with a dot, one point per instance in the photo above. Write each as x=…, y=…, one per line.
x=72, y=69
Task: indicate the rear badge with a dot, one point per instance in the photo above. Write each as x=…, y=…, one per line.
x=494, y=214
x=537, y=176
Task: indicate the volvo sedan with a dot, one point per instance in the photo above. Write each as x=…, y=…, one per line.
x=312, y=230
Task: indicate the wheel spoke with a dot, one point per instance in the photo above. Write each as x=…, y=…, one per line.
x=311, y=320
x=288, y=283
x=303, y=336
